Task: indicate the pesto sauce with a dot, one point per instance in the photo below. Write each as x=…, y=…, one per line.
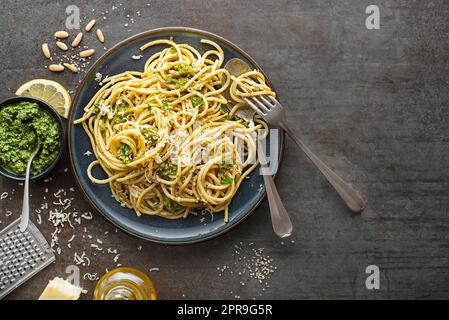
x=22, y=125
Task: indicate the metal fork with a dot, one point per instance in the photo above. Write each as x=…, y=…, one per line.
x=273, y=113
x=282, y=224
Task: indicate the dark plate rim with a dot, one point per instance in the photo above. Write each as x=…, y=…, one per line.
x=82, y=86
x=48, y=108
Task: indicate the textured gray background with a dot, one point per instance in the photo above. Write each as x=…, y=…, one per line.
x=371, y=103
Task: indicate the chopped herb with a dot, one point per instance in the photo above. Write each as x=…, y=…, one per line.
x=149, y=107
x=181, y=82
x=177, y=82
x=182, y=76
x=171, y=205
x=227, y=180
x=170, y=80
x=197, y=101
x=167, y=169
x=173, y=50
x=119, y=119
x=103, y=127
x=165, y=105
x=123, y=113
x=123, y=109
x=125, y=153
x=96, y=108
x=181, y=69
x=150, y=136
x=224, y=166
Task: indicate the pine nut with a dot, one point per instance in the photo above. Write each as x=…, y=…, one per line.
x=87, y=53
x=76, y=42
x=71, y=67
x=56, y=68
x=46, y=51
x=62, y=46
x=100, y=35
x=90, y=25
x=61, y=34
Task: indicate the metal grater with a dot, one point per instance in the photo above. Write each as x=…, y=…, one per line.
x=22, y=255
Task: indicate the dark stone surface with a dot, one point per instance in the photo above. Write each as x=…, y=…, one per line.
x=371, y=103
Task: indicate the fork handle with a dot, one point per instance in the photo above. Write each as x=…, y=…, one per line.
x=352, y=198
x=280, y=220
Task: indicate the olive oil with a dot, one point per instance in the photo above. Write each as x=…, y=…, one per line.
x=125, y=284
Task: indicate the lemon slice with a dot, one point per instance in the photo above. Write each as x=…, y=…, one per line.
x=49, y=91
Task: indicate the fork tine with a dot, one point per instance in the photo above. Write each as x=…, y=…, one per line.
x=260, y=104
x=254, y=107
x=261, y=110
x=275, y=102
x=267, y=102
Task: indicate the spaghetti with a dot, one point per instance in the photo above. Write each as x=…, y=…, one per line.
x=168, y=139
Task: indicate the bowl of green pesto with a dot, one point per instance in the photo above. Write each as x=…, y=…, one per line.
x=25, y=122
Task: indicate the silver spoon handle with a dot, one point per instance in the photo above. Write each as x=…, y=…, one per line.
x=282, y=225
x=352, y=198
x=25, y=217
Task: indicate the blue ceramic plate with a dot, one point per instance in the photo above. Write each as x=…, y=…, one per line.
x=194, y=228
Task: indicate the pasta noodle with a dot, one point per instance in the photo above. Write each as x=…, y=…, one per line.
x=168, y=139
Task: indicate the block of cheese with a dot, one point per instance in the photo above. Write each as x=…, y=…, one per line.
x=60, y=289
